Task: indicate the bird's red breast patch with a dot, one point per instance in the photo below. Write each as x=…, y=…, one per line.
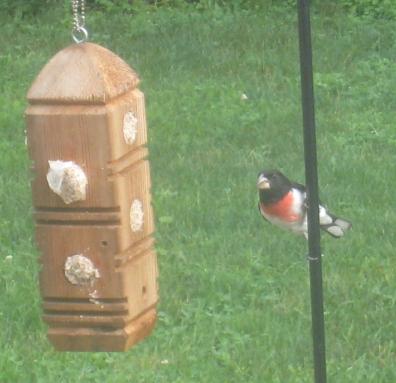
x=281, y=209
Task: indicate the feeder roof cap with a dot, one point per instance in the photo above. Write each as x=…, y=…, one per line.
x=83, y=74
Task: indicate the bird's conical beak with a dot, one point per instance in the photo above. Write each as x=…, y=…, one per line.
x=263, y=183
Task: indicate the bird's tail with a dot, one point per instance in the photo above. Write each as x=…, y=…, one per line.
x=337, y=227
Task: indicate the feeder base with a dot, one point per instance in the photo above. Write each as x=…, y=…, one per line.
x=102, y=339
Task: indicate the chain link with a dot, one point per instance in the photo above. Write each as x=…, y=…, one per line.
x=79, y=32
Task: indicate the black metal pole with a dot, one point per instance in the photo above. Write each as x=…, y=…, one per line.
x=311, y=177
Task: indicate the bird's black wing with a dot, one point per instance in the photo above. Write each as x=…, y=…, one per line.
x=261, y=213
x=303, y=190
x=298, y=186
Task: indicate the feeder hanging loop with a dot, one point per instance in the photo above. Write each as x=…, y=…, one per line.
x=79, y=32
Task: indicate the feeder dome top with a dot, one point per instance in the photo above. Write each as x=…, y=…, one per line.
x=82, y=74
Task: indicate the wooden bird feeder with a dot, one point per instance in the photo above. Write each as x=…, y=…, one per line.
x=86, y=130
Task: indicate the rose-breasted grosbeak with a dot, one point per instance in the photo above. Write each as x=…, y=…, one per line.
x=283, y=203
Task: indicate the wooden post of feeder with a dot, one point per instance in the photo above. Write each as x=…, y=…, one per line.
x=86, y=132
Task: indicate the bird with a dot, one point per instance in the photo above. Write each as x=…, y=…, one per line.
x=284, y=204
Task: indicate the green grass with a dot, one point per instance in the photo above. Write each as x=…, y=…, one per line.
x=234, y=290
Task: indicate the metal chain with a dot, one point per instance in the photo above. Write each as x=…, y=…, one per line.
x=79, y=32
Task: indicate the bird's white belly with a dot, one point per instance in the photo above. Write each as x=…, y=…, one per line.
x=297, y=227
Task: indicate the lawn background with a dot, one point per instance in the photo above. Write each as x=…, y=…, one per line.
x=234, y=291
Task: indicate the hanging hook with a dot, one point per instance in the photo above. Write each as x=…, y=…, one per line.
x=80, y=35
x=79, y=32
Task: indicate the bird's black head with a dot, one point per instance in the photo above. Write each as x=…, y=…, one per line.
x=272, y=186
